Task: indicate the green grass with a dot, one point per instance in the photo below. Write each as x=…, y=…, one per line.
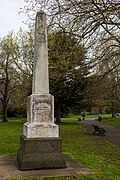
x=93, y=152
x=115, y=122
x=9, y=136
x=106, y=119
x=92, y=116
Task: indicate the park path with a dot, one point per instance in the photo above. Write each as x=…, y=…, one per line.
x=112, y=134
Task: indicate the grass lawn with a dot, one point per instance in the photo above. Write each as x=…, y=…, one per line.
x=112, y=121
x=95, y=116
x=92, y=151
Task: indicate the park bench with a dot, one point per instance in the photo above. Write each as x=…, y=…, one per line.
x=98, y=130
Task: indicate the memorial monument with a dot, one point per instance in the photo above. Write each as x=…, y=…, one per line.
x=40, y=145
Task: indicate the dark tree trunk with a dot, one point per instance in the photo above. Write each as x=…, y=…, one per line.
x=5, y=99
x=5, y=94
x=5, y=119
x=113, y=111
x=58, y=112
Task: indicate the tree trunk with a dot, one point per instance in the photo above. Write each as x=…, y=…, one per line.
x=58, y=112
x=5, y=119
x=5, y=101
x=113, y=111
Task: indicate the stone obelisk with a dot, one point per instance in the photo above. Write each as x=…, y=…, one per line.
x=40, y=145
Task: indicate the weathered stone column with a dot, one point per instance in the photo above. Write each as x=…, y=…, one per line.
x=40, y=145
x=40, y=71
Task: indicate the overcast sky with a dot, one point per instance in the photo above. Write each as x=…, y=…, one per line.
x=9, y=18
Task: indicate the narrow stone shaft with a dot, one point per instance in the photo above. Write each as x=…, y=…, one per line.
x=40, y=75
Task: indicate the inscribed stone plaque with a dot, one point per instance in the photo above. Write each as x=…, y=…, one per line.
x=40, y=108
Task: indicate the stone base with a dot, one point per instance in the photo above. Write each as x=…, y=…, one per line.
x=42, y=130
x=40, y=117
x=40, y=153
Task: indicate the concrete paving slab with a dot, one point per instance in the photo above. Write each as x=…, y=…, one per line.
x=8, y=169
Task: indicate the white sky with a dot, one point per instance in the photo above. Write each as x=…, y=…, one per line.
x=9, y=18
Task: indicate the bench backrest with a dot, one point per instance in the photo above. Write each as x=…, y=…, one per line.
x=96, y=127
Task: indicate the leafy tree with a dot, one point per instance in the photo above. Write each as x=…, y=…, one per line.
x=24, y=64
x=102, y=94
x=9, y=75
x=26, y=51
x=112, y=82
x=67, y=70
x=66, y=64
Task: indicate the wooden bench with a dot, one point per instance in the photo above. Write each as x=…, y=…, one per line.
x=98, y=130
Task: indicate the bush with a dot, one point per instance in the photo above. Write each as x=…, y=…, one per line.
x=17, y=112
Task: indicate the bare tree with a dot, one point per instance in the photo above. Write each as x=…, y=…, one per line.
x=89, y=20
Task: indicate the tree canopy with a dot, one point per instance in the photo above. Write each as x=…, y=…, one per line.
x=9, y=76
x=95, y=22
x=67, y=70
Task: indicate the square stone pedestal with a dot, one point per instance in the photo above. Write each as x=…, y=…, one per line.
x=40, y=153
x=40, y=117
